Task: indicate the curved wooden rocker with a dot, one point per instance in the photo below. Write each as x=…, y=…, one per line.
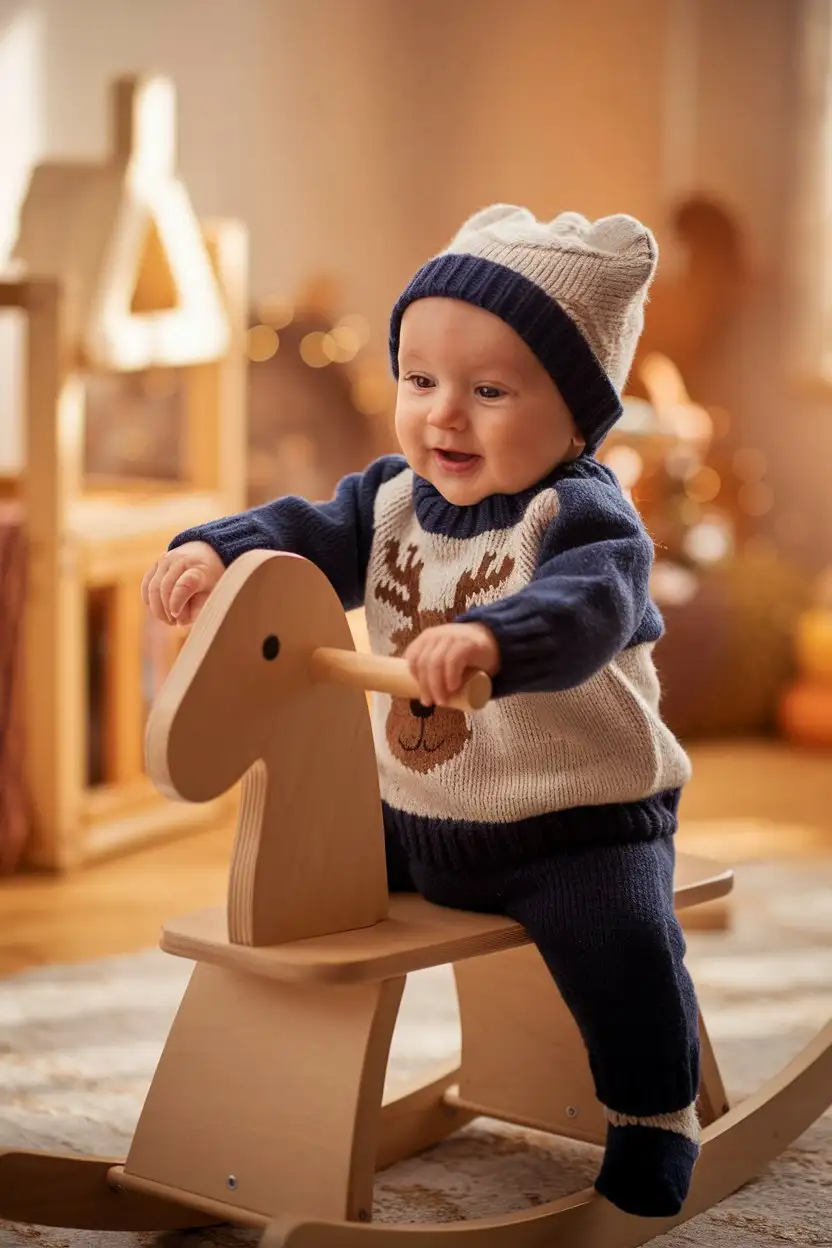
x=266, y=1108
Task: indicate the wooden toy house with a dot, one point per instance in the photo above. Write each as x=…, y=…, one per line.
x=117, y=278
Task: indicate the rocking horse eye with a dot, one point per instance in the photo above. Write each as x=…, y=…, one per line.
x=271, y=647
x=421, y=711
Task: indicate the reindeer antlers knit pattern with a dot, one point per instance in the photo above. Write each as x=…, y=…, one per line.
x=574, y=290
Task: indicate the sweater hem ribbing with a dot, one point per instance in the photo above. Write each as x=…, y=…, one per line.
x=459, y=844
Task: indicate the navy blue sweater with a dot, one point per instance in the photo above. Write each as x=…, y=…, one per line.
x=588, y=600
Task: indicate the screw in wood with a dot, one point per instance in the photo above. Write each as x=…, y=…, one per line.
x=571, y=1111
x=231, y=1181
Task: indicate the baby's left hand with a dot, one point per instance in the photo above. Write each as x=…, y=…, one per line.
x=439, y=657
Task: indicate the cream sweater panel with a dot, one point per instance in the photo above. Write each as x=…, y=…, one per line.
x=523, y=755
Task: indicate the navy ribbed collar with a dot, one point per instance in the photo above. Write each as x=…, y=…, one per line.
x=499, y=511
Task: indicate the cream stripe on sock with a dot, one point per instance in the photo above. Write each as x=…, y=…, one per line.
x=683, y=1121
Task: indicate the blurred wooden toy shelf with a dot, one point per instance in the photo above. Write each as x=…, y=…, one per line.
x=115, y=274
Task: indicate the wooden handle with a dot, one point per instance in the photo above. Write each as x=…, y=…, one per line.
x=384, y=674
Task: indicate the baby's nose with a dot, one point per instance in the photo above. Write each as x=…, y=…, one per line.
x=447, y=413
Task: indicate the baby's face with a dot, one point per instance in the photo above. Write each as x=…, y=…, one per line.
x=476, y=412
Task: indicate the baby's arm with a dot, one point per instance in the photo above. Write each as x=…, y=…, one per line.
x=336, y=535
x=589, y=595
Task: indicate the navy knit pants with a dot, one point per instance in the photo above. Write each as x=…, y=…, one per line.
x=603, y=919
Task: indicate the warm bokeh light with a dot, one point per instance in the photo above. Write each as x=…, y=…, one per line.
x=681, y=463
x=261, y=343
x=663, y=381
x=690, y=422
x=626, y=463
x=312, y=350
x=709, y=541
x=276, y=310
x=703, y=485
x=341, y=344
x=358, y=324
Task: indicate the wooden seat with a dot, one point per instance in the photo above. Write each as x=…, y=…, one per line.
x=416, y=934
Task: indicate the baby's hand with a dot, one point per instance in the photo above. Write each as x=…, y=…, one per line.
x=439, y=657
x=176, y=588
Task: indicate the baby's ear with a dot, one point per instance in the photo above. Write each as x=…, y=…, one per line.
x=577, y=446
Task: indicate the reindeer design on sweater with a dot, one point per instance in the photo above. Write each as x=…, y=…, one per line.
x=423, y=737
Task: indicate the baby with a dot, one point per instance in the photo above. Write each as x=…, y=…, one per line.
x=498, y=541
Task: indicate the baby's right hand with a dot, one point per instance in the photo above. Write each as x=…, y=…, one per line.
x=176, y=588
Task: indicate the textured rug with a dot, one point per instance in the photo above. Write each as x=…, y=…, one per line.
x=78, y=1045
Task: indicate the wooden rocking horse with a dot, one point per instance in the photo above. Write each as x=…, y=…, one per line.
x=266, y=1106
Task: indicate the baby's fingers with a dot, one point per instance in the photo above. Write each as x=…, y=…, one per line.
x=184, y=586
x=418, y=660
x=146, y=580
x=454, y=666
x=153, y=590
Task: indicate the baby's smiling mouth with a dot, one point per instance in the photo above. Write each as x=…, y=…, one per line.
x=454, y=461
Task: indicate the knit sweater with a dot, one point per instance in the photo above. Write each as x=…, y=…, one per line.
x=572, y=745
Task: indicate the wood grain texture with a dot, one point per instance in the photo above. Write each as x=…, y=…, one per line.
x=51, y=1190
x=267, y=1096
x=415, y=934
x=734, y=1149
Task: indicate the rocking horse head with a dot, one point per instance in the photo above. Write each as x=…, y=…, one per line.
x=234, y=680
x=243, y=701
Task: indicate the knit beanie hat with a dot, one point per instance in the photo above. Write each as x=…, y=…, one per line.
x=574, y=290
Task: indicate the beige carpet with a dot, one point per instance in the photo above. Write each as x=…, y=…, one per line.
x=78, y=1046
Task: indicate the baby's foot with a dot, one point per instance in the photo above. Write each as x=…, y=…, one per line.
x=647, y=1169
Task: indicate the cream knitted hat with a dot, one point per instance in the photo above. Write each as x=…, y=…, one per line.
x=573, y=289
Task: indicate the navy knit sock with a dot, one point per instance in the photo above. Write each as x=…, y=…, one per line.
x=646, y=1170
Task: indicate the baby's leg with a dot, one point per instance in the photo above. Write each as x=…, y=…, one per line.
x=604, y=922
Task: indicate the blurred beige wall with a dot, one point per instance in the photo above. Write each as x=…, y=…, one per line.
x=353, y=136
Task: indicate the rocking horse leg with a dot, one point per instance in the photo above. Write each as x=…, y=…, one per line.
x=523, y=1065
x=266, y=1098
x=713, y=1099
x=550, y=1087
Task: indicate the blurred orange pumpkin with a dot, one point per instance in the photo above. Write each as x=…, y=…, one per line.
x=805, y=713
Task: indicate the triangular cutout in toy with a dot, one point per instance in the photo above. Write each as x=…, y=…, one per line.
x=157, y=301
x=155, y=289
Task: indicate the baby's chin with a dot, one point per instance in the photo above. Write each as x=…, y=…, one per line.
x=466, y=489
x=464, y=486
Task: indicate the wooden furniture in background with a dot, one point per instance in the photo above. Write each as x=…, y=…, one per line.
x=282, y=1037
x=115, y=274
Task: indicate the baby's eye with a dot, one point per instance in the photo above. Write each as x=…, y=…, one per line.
x=489, y=392
x=419, y=381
